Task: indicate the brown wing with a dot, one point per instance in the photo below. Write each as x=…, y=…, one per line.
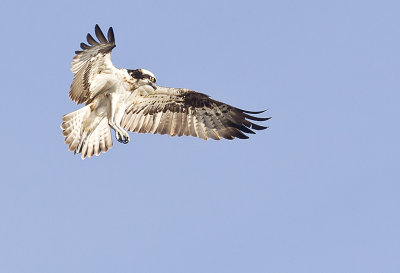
x=87, y=64
x=178, y=112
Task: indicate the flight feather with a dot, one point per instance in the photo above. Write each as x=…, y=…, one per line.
x=88, y=63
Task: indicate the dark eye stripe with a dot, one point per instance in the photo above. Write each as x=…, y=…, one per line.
x=137, y=74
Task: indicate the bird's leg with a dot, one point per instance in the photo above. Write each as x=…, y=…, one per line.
x=120, y=134
x=117, y=122
x=114, y=111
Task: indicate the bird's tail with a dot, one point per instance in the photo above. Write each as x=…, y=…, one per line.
x=87, y=139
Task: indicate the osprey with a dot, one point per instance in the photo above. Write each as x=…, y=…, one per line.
x=130, y=100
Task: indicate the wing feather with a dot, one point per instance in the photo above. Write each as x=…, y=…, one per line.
x=191, y=125
x=162, y=123
x=177, y=112
x=91, y=40
x=100, y=35
x=148, y=120
x=88, y=64
x=156, y=122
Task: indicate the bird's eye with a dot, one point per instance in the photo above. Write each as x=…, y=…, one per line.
x=153, y=79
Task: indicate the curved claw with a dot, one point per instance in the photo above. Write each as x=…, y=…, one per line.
x=122, y=137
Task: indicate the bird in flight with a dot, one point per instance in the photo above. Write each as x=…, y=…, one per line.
x=131, y=100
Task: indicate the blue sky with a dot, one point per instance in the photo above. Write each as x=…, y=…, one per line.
x=316, y=192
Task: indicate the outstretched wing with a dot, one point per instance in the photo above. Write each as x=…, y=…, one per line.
x=89, y=63
x=177, y=112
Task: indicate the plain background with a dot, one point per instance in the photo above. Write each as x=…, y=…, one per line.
x=316, y=192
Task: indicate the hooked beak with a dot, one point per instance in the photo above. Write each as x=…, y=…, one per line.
x=152, y=84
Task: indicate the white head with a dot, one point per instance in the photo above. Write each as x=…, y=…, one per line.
x=143, y=77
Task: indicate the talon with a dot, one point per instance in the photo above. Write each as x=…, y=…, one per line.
x=125, y=138
x=122, y=137
x=119, y=137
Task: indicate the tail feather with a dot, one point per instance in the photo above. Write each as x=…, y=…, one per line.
x=86, y=141
x=72, y=126
x=99, y=140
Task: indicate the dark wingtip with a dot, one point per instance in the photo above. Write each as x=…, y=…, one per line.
x=252, y=112
x=256, y=118
x=100, y=35
x=91, y=40
x=84, y=46
x=241, y=136
x=245, y=129
x=258, y=127
x=110, y=36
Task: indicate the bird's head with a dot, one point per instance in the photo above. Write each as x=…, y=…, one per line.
x=143, y=77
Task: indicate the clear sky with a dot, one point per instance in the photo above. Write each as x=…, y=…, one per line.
x=316, y=192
